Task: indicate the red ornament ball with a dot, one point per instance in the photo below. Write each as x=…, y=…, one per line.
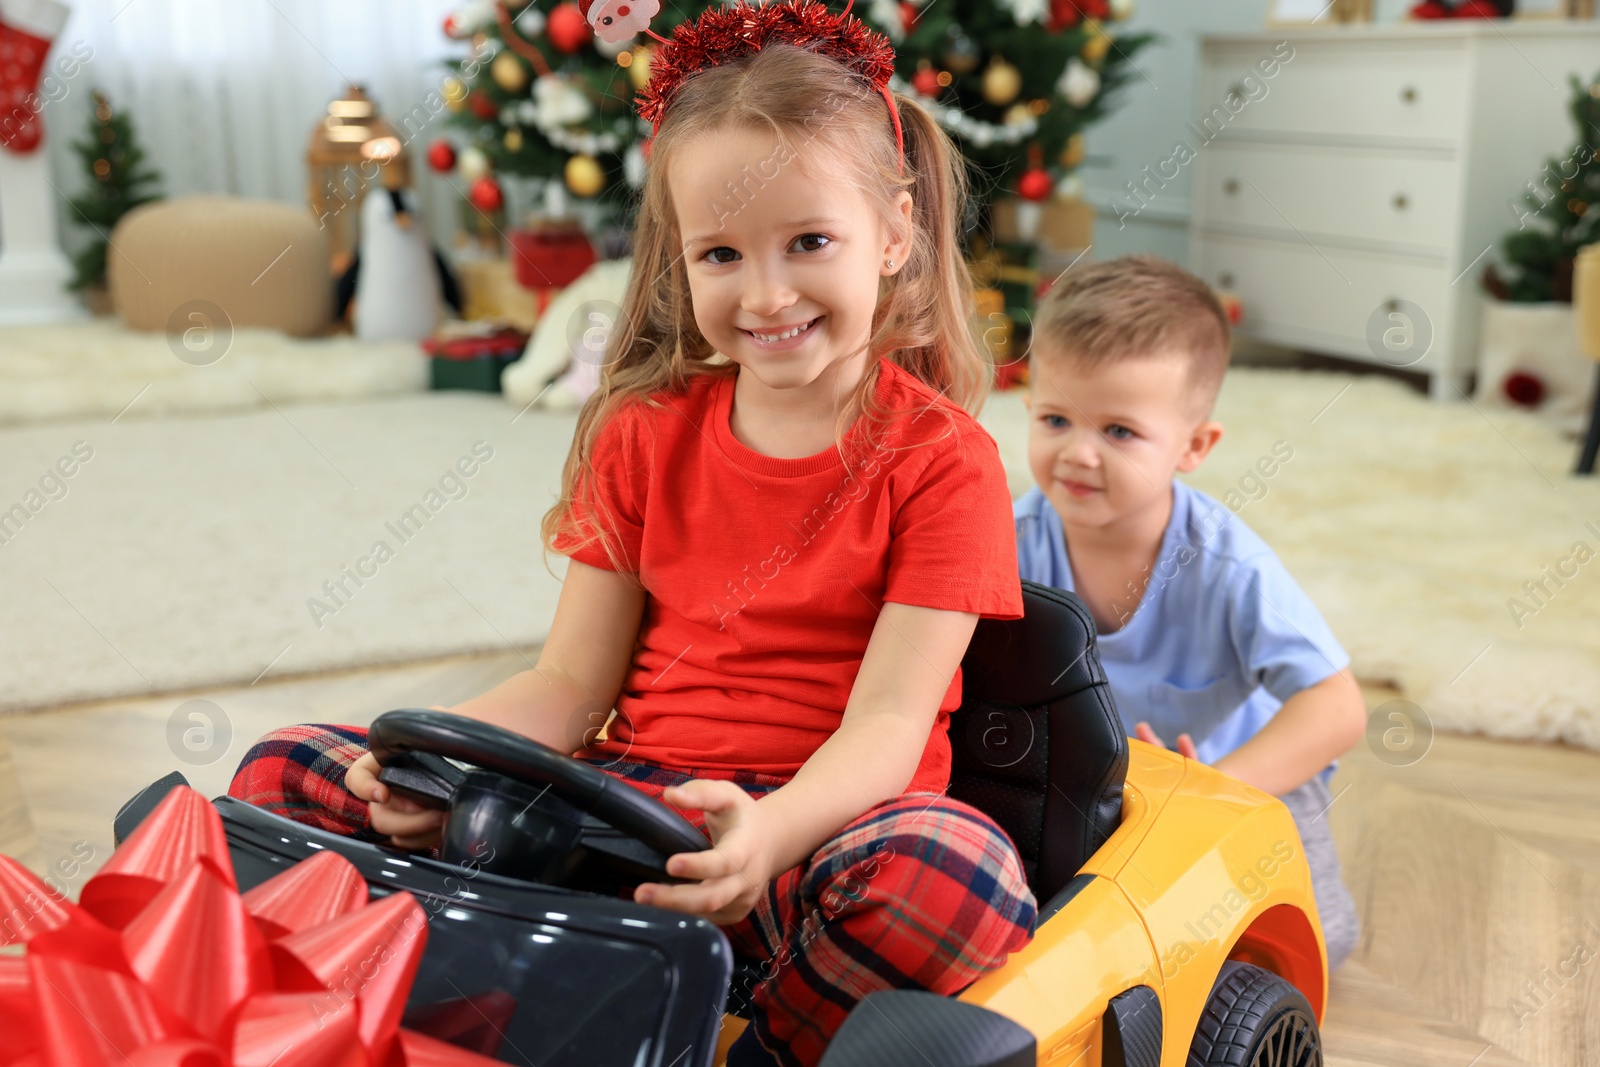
x=481, y=106
x=1477, y=9
x=1063, y=16
x=567, y=29
x=1430, y=9
x=910, y=16
x=1035, y=184
x=1523, y=389
x=926, y=82
x=485, y=195
x=442, y=156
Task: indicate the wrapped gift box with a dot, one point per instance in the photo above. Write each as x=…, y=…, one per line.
x=474, y=360
x=551, y=254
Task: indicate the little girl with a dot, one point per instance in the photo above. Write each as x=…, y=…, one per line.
x=783, y=526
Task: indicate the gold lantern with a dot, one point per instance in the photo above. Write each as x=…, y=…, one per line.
x=344, y=165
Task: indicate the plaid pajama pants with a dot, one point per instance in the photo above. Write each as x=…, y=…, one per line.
x=919, y=892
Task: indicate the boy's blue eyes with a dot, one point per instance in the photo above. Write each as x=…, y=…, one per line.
x=1116, y=431
x=797, y=240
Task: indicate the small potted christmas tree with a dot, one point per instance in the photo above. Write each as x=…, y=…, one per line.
x=1529, y=355
x=118, y=183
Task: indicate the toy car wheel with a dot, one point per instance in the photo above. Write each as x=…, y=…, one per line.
x=1255, y=1019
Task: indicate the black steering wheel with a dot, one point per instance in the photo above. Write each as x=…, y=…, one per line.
x=522, y=811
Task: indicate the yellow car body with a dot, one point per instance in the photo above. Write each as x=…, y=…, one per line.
x=1201, y=869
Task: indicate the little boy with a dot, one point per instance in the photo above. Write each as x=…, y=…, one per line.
x=1204, y=636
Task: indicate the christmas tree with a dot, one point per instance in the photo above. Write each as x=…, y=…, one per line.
x=539, y=95
x=1015, y=82
x=1557, y=215
x=117, y=184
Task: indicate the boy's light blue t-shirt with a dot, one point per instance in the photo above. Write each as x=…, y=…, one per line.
x=1222, y=637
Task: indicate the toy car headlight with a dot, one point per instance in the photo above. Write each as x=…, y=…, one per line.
x=912, y=1028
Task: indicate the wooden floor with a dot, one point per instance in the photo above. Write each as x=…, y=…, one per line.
x=1476, y=869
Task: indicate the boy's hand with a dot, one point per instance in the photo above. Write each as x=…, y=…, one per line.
x=1185, y=742
x=733, y=873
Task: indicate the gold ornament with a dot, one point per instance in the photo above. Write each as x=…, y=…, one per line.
x=455, y=93
x=1072, y=155
x=1017, y=114
x=1001, y=82
x=639, y=67
x=508, y=72
x=1098, y=44
x=584, y=176
x=513, y=140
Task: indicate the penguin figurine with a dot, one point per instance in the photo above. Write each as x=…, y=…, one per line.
x=397, y=279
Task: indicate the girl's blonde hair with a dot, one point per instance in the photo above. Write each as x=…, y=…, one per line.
x=924, y=316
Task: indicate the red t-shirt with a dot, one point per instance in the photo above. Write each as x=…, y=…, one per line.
x=765, y=576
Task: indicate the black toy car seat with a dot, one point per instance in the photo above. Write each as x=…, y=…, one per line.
x=1037, y=744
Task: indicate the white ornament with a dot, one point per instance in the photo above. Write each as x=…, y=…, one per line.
x=1121, y=9
x=531, y=22
x=560, y=102
x=1079, y=83
x=1070, y=187
x=1027, y=11
x=886, y=14
x=469, y=18
x=528, y=112
x=472, y=163
x=634, y=166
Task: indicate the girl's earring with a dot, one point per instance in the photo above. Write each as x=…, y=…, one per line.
x=890, y=264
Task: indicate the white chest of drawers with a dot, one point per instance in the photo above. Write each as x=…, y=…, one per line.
x=1353, y=198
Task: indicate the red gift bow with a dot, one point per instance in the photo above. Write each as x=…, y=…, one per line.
x=162, y=963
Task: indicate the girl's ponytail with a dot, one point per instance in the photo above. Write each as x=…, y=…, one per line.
x=927, y=317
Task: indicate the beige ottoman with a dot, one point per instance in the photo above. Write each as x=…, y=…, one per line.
x=254, y=262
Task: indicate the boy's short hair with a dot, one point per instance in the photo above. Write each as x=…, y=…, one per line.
x=1131, y=307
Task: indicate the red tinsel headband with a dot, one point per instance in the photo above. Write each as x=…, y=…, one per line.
x=722, y=34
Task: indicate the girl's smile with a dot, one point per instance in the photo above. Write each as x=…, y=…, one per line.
x=782, y=339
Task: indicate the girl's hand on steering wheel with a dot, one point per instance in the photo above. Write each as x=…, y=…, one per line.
x=731, y=875
x=408, y=824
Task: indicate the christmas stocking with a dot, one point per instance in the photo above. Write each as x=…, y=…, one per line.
x=27, y=29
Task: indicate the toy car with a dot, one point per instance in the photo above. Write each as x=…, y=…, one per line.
x=1176, y=921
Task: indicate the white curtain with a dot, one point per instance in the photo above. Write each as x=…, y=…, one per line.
x=224, y=94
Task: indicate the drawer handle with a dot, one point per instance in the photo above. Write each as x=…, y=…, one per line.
x=1401, y=202
x=1231, y=186
x=1225, y=279
x=1409, y=94
x=1391, y=306
x=1237, y=90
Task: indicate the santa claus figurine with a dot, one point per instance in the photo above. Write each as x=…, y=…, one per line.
x=614, y=21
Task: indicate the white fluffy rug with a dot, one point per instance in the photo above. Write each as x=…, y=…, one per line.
x=1412, y=524
x=101, y=368
x=193, y=551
